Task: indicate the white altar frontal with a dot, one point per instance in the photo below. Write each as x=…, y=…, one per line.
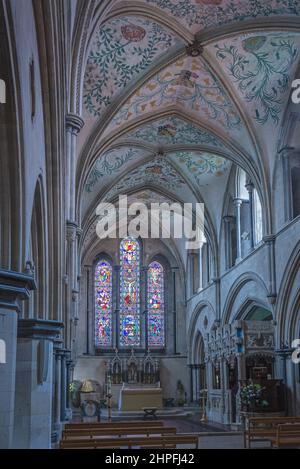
x=134, y=397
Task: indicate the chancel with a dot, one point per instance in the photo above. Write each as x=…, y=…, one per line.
x=135, y=340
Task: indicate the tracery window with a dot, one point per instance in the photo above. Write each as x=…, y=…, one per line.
x=155, y=300
x=103, y=304
x=123, y=329
x=130, y=293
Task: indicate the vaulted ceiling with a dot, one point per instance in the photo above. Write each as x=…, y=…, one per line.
x=175, y=92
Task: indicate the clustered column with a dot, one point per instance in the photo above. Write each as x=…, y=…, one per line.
x=238, y=203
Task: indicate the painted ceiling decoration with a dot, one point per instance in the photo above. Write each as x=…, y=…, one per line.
x=201, y=164
x=148, y=197
x=122, y=49
x=172, y=131
x=189, y=83
x=261, y=68
x=197, y=15
x=110, y=163
x=157, y=172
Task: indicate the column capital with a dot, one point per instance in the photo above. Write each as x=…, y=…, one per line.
x=228, y=218
x=249, y=186
x=74, y=123
x=237, y=202
x=39, y=329
x=269, y=239
x=286, y=152
x=71, y=229
x=15, y=287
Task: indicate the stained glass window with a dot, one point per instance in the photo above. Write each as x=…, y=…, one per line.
x=129, y=292
x=103, y=304
x=156, y=310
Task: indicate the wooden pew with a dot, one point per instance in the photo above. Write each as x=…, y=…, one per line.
x=264, y=428
x=122, y=424
x=164, y=441
x=96, y=432
x=287, y=434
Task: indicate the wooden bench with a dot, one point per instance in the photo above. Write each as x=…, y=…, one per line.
x=150, y=412
x=164, y=441
x=104, y=432
x=287, y=434
x=106, y=425
x=264, y=428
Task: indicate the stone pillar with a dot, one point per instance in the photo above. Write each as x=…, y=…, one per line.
x=174, y=311
x=237, y=203
x=71, y=260
x=250, y=188
x=200, y=266
x=63, y=385
x=227, y=231
x=270, y=242
x=287, y=184
x=74, y=124
x=33, y=398
x=56, y=427
x=14, y=287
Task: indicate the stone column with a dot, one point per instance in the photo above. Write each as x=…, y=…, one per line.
x=69, y=368
x=74, y=124
x=250, y=188
x=200, y=266
x=287, y=184
x=270, y=243
x=56, y=427
x=238, y=203
x=33, y=398
x=63, y=385
x=14, y=288
x=71, y=266
x=228, y=251
x=174, y=308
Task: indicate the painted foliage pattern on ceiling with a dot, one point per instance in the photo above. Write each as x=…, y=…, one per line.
x=157, y=172
x=187, y=82
x=261, y=67
x=122, y=49
x=109, y=163
x=201, y=164
x=201, y=14
x=172, y=131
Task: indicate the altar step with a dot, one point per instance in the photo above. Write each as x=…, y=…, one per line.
x=161, y=413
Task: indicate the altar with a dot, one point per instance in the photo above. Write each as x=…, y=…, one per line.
x=136, y=381
x=135, y=398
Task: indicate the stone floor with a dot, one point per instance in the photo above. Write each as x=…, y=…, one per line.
x=212, y=435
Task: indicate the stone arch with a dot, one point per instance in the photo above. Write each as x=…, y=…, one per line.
x=287, y=306
x=250, y=286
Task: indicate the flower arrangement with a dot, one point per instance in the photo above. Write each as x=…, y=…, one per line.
x=252, y=397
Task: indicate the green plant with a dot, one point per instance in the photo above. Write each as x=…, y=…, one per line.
x=252, y=397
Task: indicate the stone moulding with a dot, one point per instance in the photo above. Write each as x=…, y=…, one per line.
x=39, y=329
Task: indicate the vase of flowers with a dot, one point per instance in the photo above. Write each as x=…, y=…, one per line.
x=252, y=398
